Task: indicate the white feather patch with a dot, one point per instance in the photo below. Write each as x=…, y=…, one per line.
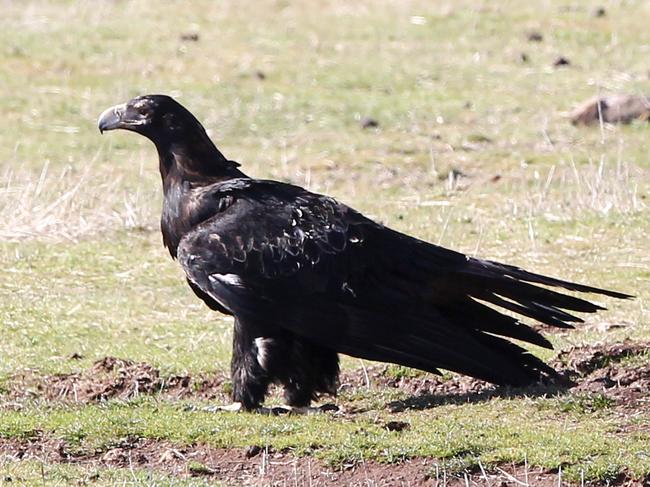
x=262, y=352
x=230, y=279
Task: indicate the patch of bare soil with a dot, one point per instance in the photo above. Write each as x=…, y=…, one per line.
x=425, y=390
x=113, y=378
x=263, y=467
x=598, y=369
x=588, y=369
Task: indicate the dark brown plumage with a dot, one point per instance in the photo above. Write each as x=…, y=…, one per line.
x=307, y=277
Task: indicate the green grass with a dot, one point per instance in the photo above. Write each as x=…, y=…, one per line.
x=43, y=474
x=496, y=432
x=118, y=297
x=84, y=271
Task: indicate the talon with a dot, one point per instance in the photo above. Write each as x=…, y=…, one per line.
x=278, y=410
x=325, y=408
x=329, y=408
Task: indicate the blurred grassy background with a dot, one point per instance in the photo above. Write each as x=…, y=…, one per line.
x=473, y=150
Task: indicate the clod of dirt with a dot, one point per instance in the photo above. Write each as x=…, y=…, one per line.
x=496, y=178
x=561, y=61
x=581, y=361
x=598, y=369
x=368, y=123
x=253, y=451
x=397, y=426
x=618, y=108
x=190, y=36
x=534, y=36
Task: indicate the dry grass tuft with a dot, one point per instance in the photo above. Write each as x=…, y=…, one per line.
x=568, y=191
x=67, y=204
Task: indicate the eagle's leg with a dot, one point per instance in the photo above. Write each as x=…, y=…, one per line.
x=262, y=356
x=250, y=381
x=303, y=368
x=314, y=370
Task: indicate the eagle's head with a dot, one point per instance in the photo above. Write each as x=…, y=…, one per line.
x=157, y=117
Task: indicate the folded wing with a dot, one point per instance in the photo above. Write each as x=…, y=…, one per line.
x=306, y=263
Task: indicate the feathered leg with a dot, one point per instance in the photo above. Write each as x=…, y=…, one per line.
x=313, y=370
x=250, y=381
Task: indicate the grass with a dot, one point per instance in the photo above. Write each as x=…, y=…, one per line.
x=88, y=305
x=84, y=271
x=496, y=432
x=41, y=473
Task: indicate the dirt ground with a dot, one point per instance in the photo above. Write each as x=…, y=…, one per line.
x=261, y=467
x=593, y=369
x=588, y=369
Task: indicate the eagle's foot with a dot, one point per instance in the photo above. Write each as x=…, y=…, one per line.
x=325, y=408
x=235, y=407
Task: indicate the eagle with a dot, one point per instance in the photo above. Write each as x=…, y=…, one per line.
x=307, y=277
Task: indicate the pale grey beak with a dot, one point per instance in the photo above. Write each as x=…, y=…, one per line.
x=112, y=118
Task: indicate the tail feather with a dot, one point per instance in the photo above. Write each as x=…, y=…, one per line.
x=476, y=316
x=531, y=369
x=531, y=311
x=515, y=289
x=475, y=341
x=523, y=275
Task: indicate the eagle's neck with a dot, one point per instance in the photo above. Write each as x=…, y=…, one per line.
x=185, y=169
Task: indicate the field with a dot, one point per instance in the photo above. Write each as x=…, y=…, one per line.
x=445, y=120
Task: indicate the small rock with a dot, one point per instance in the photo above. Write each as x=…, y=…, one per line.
x=535, y=36
x=368, y=122
x=522, y=58
x=617, y=108
x=600, y=12
x=60, y=449
x=561, y=61
x=260, y=75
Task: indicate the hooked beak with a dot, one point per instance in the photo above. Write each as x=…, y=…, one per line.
x=122, y=116
x=111, y=118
